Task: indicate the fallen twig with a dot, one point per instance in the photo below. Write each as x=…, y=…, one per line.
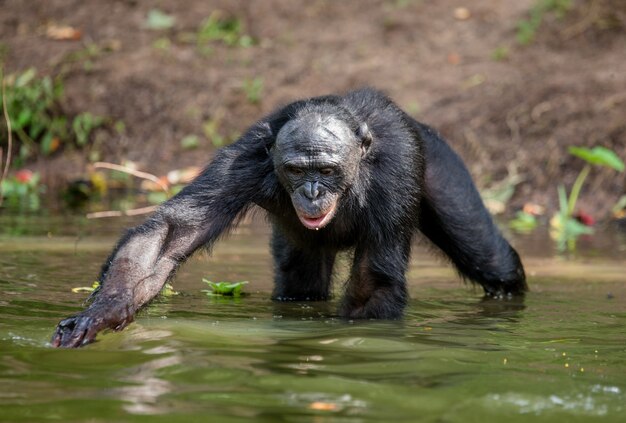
x=137, y=173
x=120, y=213
x=5, y=171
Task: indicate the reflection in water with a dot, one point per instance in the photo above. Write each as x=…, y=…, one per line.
x=146, y=387
x=504, y=308
x=144, y=395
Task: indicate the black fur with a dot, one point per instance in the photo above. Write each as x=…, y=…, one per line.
x=346, y=172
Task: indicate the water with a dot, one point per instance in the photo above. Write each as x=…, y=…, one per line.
x=559, y=355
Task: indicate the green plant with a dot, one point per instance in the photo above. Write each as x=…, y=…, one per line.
x=527, y=28
x=190, y=142
x=158, y=20
x=524, y=222
x=565, y=227
x=37, y=120
x=232, y=289
x=211, y=129
x=94, y=286
x=227, y=30
x=22, y=190
x=253, y=89
x=85, y=57
x=168, y=290
x=500, y=53
x=83, y=124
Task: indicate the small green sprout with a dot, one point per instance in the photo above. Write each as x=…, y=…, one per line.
x=232, y=289
x=168, y=290
x=229, y=30
x=527, y=28
x=253, y=88
x=500, y=54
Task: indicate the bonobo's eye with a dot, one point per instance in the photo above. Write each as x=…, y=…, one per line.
x=327, y=171
x=294, y=171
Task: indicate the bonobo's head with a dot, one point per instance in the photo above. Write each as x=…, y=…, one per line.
x=316, y=156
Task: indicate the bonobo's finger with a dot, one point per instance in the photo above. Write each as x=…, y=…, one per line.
x=77, y=336
x=64, y=327
x=90, y=335
x=72, y=332
x=56, y=338
x=68, y=331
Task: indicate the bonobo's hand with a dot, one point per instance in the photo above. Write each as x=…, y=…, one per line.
x=81, y=329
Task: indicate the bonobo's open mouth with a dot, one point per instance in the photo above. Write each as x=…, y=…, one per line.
x=317, y=222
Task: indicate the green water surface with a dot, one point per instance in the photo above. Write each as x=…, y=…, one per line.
x=559, y=355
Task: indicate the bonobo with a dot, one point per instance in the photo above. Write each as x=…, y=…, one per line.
x=333, y=173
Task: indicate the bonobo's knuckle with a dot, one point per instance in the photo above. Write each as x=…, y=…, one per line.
x=70, y=322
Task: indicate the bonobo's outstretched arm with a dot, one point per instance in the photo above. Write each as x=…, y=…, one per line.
x=149, y=254
x=453, y=217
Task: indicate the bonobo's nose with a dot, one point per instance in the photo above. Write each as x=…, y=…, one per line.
x=311, y=190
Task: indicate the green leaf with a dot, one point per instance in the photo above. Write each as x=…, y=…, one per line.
x=46, y=143
x=168, y=290
x=36, y=129
x=563, y=201
x=523, y=222
x=83, y=125
x=598, y=156
x=91, y=288
x=224, y=288
x=158, y=20
x=23, y=119
x=573, y=228
x=79, y=289
x=190, y=142
x=25, y=78
x=157, y=197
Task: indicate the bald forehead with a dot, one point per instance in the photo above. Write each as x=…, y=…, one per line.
x=316, y=136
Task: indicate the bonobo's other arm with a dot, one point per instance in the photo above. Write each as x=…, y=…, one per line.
x=453, y=217
x=149, y=254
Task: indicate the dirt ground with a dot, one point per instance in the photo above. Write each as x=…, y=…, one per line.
x=513, y=116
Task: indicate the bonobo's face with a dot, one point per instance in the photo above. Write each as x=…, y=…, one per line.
x=316, y=158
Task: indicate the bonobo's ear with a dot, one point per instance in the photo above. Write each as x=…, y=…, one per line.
x=267, y=134
x=365, y=136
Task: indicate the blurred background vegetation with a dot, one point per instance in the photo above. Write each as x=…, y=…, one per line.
x=134, y=96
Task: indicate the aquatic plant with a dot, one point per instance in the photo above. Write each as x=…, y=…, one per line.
x=232, y=289
x=565, y=227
